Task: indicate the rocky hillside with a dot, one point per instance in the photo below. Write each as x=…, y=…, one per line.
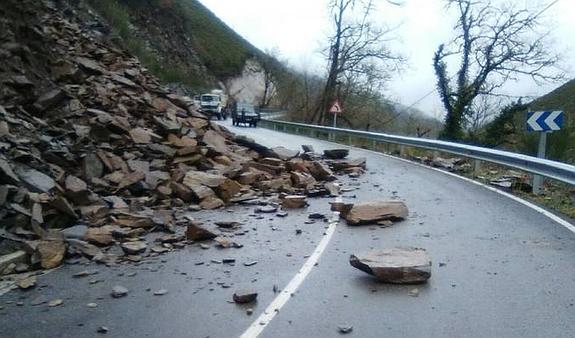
x=180, y=41
x=94, y=153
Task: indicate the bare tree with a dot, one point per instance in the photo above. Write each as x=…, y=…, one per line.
x=355, y=47
x=494, y=44
x=269, y=67
x=482, y=111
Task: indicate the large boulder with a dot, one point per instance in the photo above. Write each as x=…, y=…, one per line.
x=397, y=265
x=373, y=212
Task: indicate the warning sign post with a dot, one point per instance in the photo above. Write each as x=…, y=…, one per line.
x=335, y=109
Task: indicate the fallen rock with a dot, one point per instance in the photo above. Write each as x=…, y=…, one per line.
x=14, y=258
x=266, y=209
x=55, y=302
x=100, y=236
x=119, y=291
x=344, y=329
x=244, y=297
x=195, y=232
x=134, y=248
x=336, y=154
x=26, y=283
x=397, y=265
x=50, y=253
x=373, y=212
x=35, y=180
x=211, y=203
x=283, y=153
x=332, y=189
x=49, y=99
x=307, y=148
x=294, y=202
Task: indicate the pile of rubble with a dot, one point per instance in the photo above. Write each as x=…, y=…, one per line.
x=94, y=154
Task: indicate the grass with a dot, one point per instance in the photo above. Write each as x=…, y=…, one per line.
x=222, y=50
x=118, y=16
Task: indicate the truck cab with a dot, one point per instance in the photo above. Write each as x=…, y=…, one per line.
x=210, y=104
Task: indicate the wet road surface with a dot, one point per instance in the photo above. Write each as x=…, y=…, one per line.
x=500, y=269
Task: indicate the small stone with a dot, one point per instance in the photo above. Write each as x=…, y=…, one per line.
x=119, y=291
x=243, y=296
x=316, y=215
x=160, y=292
x=26, y=283
x=268, y=209
x=294, y=202
x=228, y=260
x=134, y=248
x=84, y=273
x=55, y=302
x=250, y=311
x=102, y=329
x=344, y=329
x=298, y=231
x=252, y=263
x=413, y=292
x=92, y=305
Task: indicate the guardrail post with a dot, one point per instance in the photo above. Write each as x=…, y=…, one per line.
x=401, y=151
x=297, y=131
x=538, y=180
x=373, y=145
x=349, y=140
x=476, y=168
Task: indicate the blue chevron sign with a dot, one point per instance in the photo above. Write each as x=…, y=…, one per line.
x=544, y=120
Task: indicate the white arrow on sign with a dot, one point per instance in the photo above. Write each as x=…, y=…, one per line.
x=550, y=120
x=532, y=121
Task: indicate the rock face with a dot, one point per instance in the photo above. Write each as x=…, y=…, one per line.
x=373, y=212
x=397, y=265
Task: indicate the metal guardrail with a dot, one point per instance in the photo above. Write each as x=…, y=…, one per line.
x=548, y=168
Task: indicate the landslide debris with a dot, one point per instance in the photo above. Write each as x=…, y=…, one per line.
x=95, y=153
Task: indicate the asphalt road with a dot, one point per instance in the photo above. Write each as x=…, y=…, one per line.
x=500, y=269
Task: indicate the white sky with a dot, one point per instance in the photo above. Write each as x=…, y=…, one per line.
x=298, y=27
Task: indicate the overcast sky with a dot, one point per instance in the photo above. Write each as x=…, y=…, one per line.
x=298, y=29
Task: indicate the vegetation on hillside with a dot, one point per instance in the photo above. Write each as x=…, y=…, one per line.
x=508, y=129
x=218, y=50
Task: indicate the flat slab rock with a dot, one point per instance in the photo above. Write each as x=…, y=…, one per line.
x=397, y=265
x=373, y=212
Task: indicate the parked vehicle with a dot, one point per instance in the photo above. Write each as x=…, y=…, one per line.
x=246, y=114
x=197, y=100
x=211, y=105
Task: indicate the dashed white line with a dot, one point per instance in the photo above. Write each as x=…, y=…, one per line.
x=257, y=327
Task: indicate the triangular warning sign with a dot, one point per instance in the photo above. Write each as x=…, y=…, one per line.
x=335, y=108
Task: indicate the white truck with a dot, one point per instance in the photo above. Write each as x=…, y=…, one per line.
x=214, y=104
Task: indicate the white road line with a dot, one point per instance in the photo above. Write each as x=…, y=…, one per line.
x=526, y=203
x=273, y=309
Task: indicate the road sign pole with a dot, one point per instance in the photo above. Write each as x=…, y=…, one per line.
x=538, y=179
x=335, y=120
